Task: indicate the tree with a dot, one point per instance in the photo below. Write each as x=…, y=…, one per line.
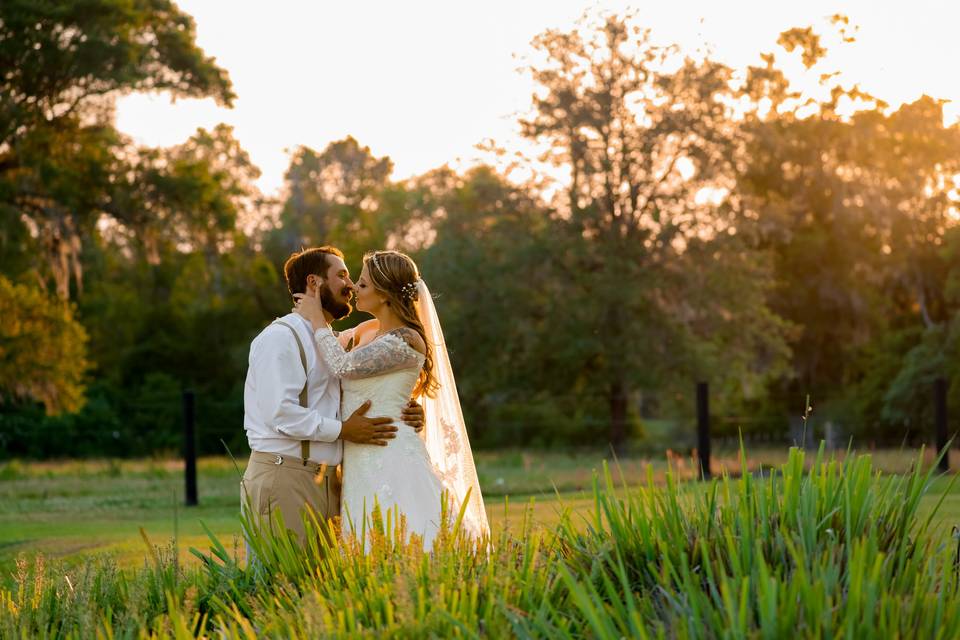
x=648, y=147
x=61, y=59
x=175, y=237
x=176, y=289
x=485, y=255
x=341, y=196
x=42, y=349
x=189, y=196
x=853, y=200
x=63, y=64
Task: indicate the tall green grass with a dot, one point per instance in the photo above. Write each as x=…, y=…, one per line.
x=835, y=552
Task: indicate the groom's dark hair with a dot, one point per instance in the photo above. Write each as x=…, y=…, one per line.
x=301, y=264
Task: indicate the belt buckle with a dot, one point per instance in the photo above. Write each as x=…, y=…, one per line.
x=279, y=460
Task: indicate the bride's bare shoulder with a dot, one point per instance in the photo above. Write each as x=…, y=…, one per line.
x=367, y=326
x=412, y=338
x=360, y=334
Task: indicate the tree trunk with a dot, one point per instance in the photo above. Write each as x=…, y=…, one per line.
x=617, y=373
x=924, y=311
x=618, y=415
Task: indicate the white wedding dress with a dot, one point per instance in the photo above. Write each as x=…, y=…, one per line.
x=398, y=476
x=414, y=473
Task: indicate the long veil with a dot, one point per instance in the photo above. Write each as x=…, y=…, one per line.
x=445, y=433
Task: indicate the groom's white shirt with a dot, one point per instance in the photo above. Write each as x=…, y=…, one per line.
x=273, y=418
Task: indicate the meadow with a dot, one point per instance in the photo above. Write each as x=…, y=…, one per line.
x=71, y=509
x=583, y=546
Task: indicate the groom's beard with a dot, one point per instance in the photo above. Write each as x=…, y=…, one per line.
x=335, y=307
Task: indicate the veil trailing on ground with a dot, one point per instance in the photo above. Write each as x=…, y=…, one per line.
x=445, y=433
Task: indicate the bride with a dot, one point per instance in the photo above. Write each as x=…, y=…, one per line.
x=398, y=354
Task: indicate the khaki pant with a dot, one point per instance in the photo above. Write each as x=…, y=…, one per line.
x=274, y=483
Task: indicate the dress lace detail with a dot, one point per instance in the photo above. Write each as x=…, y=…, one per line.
x=387, y=353
x=414, y=473
x=401, y=474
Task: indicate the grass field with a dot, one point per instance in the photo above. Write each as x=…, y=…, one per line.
x=70, y=510
x=800, y=545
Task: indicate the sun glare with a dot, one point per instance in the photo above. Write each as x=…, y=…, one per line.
x=425, y=82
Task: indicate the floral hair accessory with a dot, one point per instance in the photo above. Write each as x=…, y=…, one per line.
x=410, y=291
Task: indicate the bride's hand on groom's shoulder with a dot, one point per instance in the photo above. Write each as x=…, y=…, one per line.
x=310, y=308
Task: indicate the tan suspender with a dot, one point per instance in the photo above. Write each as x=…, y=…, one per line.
x=304, y=444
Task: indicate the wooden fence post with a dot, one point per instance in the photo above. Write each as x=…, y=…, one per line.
x=189, y=448
x=940, y=420
x=703, y=428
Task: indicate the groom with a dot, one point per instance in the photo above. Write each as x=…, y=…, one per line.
x=292, y=404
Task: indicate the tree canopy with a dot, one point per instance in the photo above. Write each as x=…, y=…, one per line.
x=708, y=224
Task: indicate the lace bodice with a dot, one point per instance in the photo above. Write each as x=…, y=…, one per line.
x=400, y=475
x=383, y=371
x=414, y=471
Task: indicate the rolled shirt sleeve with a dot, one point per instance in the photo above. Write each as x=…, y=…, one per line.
x=278, y=392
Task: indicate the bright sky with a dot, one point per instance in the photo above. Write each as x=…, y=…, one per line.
x=425, y=81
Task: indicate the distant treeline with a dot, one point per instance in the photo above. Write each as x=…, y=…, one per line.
x=711, y=225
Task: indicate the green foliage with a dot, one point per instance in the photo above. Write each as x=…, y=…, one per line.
x=857, y=211
x=341, y=196
x=790, y=246
x=174, y=295
x=832, y=550
x=43, y=355
x=488, y=264
x=634, y=242
x=907, y=400
x=838, y=550
x=862, y=409
x=64, y=54
x=96, y=598
x=60, y=156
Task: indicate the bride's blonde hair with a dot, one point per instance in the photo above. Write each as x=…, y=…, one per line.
x=395, y=276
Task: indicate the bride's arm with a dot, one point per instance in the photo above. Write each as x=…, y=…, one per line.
x=388, y=353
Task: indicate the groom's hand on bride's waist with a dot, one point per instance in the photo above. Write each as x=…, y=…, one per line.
x=360, y=429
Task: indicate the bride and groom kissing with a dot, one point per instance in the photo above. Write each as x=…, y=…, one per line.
x=341, y=423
